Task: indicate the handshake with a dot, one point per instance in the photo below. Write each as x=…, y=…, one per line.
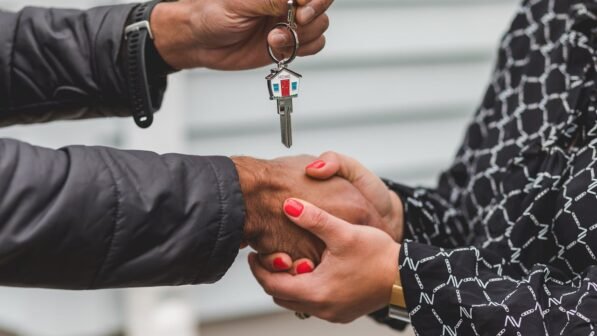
x=300, y=216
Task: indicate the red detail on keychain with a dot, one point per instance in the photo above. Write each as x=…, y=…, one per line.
x=285, y=83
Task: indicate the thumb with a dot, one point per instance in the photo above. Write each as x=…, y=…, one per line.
x=334, y=164
x=334, y=231
x=370, y=185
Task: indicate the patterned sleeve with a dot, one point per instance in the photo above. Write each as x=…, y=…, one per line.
x=471, y=291
x=507, y=242
x=432, y=217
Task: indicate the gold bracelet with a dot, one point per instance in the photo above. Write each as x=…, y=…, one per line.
x=397, y=308
x=397, y=298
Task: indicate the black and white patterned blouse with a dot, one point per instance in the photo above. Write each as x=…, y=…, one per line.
x=507, y=243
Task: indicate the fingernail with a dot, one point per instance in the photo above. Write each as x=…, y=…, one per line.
x=303, y=268
x=279, y=264
x=317, y=164
x=279, y=39
x=293, y=208
x=308, y=14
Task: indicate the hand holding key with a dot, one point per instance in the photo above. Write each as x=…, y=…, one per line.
x=230, y=34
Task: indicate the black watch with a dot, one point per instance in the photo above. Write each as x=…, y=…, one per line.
x=145, y=69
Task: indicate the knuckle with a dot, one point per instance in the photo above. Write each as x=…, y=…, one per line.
x=319, y=219
x=330, y=154
x=321, y=43
x=329, y=315
x=321, y=298
x=321, y=6
x=270, y=289
x=325, y=22
x=274, y=5
x=350, y=237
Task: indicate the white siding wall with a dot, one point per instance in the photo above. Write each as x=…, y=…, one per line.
x=394, y=88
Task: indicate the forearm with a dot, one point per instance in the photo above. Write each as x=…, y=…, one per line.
x=93, y=217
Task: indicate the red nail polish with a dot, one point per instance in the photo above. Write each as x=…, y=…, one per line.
x=303, y=268
x=293, y=208
x=316, y=165
x=279, y=264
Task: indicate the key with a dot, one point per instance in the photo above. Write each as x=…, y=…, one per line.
x=285, y=112
x=283, y=85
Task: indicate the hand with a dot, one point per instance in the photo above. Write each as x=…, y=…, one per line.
x=355, y=277
x=265, y=186
x=231, y=34
x=385, y=201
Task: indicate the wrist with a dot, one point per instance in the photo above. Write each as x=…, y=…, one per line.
x=171, y=26
x=254, y=185
x=397, y=216
x=392, y=272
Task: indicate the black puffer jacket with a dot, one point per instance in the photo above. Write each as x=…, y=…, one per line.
x=94, y=217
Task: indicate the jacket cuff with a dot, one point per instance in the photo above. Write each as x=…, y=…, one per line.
x=111, y=57
x=108, y=47
x=232, y=219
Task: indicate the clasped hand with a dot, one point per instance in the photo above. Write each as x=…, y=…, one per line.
x=356, y=265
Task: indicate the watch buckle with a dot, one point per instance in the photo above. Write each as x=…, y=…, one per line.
x=138, y=26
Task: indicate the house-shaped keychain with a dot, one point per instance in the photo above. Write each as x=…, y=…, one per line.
x=283, y=84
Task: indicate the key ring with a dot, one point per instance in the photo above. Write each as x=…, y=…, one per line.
x=288, y=60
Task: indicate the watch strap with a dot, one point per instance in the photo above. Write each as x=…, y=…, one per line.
x=137, y=35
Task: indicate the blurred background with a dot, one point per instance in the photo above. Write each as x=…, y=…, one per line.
x=394, y=88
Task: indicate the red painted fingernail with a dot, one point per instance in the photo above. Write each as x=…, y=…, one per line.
x=303, y=268
x=280, y=265
x=293, y=208
x=316, y=165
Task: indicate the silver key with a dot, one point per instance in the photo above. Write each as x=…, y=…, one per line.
x=285, y=112
x=283, y=85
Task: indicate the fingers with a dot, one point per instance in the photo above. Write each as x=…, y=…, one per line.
x=280, y=38
x=334, y=232
x=276, y=262
x=313, y=47
x=323, y=170
x=281, y=285
x=281, y=262
x=302, y=266
x=334, y=164
x=308, y=10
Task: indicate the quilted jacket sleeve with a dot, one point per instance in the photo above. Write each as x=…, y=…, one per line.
x=64, y=64
x=94, y=217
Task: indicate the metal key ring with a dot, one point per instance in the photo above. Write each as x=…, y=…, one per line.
x=288, y=60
